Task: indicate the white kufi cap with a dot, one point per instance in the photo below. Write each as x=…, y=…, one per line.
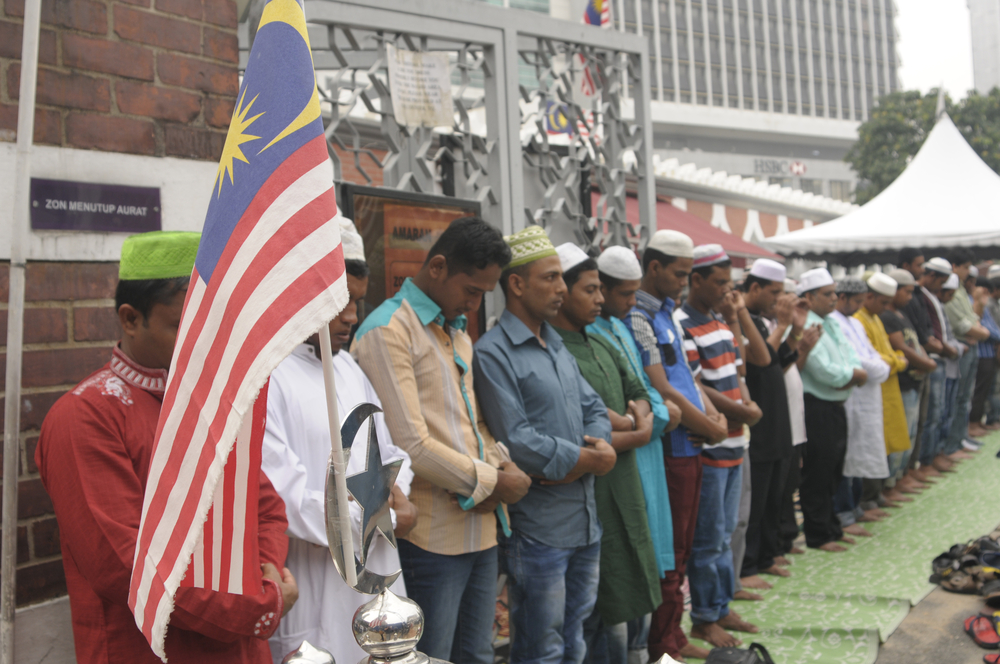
x=882, y=284
x=939, y=265
x=620, y=263
x=570, y=255
x=974, y=271
x=672, y=243
x=951, y=283
x=765, y=268
x=813, y=279
x=993, y=272
x=902, y=277
x=354, y=247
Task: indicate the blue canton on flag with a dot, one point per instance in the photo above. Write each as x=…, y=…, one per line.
x=269, y=271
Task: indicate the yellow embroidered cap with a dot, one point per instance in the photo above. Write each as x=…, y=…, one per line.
x=158, y=255
x=529, y=245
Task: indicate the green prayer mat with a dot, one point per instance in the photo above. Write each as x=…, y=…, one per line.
x=837, y=607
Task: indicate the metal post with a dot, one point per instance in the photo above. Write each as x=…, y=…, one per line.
x=15, y=325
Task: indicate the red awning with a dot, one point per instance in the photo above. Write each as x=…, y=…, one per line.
x=669, y=217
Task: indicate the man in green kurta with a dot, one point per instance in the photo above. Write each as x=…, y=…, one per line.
x=629, y=578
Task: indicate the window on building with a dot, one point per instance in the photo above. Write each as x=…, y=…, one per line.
x=841, y=190
x=781, y=181
x=713, y=44
x=811, y=186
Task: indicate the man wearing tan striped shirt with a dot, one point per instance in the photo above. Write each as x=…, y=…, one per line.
x=415, y=350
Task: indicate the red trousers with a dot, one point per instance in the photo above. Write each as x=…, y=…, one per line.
x=684, y=485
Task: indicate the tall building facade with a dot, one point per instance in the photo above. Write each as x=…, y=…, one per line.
x=819, y=58
x=984, y=16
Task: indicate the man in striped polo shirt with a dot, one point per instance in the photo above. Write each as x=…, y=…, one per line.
x=712, y=349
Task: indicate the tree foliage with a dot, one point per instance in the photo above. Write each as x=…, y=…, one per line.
x=899, y=125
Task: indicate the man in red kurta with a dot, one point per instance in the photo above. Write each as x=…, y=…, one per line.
x=93, y=456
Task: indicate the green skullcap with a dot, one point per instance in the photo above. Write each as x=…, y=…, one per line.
x=529, y=245
x=158, y=255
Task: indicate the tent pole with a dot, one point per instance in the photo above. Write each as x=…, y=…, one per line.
x=15, y=325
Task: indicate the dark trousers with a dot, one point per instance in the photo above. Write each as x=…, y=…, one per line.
x=767, y=484
x=788, y=528
x=986, y=376
x=822, y=469
x=684, y=485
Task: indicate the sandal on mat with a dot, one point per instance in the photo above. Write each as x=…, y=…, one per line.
x=992, y=658
x=982, y=631
x=991, y=591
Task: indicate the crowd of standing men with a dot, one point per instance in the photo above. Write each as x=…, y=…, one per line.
x=604, y=442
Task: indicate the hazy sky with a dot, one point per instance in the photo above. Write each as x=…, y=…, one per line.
x=934, y=45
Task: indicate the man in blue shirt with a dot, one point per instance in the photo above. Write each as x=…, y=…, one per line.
x=556, y=427
x=667, y=262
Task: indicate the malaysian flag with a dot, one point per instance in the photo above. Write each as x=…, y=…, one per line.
x=269, y=271
x=598, y=12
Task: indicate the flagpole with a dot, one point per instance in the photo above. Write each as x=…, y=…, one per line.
x=337, y=460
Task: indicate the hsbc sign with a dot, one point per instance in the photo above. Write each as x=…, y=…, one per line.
x=778, y=167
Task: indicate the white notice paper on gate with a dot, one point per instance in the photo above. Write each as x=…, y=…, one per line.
x=420, y=84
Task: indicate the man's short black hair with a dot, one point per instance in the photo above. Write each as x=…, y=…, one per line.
x=356, y=268
x=983, y=282
x=609, y=281
x=573, y=276
x=706, y=271
x=961, y=256
x=142, y=294
x=995, y=283
x=908, y=255
x=650, y=255
x=520, y=270
x=752, y=279
x=470, y=244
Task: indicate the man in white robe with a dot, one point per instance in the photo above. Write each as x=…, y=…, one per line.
x=865, y=459
x=295, y=455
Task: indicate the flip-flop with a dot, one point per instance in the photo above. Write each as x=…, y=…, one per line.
x=992, y=658
x=982, y=631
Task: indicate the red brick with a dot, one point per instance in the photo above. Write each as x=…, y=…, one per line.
x=34, y=408
x=10, y=43
x=32, y=500
x=194, y=143
x=70, y=281
x=190, y=8
x=41, y=581
x=137, y=3
x=112, y=134
x=67, y=366
x=40, y=326
x=155, y=102
x=96, y=324
x=169, y=33
x=221, y=12
x=221, y=45
x=85, y=15
x=22, y=545
x=219, y=112
x=107, y=57
x=48, y=123
x=30, y=445
x=45, y=535
x=4, y=281
x=197, y=74
x=69, y=90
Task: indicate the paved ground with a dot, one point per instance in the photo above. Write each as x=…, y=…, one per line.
x=933, y=632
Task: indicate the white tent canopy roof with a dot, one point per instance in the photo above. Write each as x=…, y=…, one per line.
x=946, y=197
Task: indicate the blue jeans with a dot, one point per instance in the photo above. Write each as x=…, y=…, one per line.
x=606, y=644
x=898, y=461
x=959, y=429
x=930, y=446
x=710, y=571
x=847, y=502
x=458, y=595
x=552, y=591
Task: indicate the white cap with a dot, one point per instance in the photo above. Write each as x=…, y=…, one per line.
x=903, y=277
x=354, y=247
x=813, y=279
x=790, y=285
x=883, y=284
x=570, y=255
x=951, y=283
x=993, y=272
x=973, y=271
x=765, y=268
x=620, y=263
x=939, y=265
x=672, y=243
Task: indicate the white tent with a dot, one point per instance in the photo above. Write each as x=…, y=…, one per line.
x=946, y=197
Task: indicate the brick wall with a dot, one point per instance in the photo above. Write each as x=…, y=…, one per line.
x=69, y=328
x=150, y=77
